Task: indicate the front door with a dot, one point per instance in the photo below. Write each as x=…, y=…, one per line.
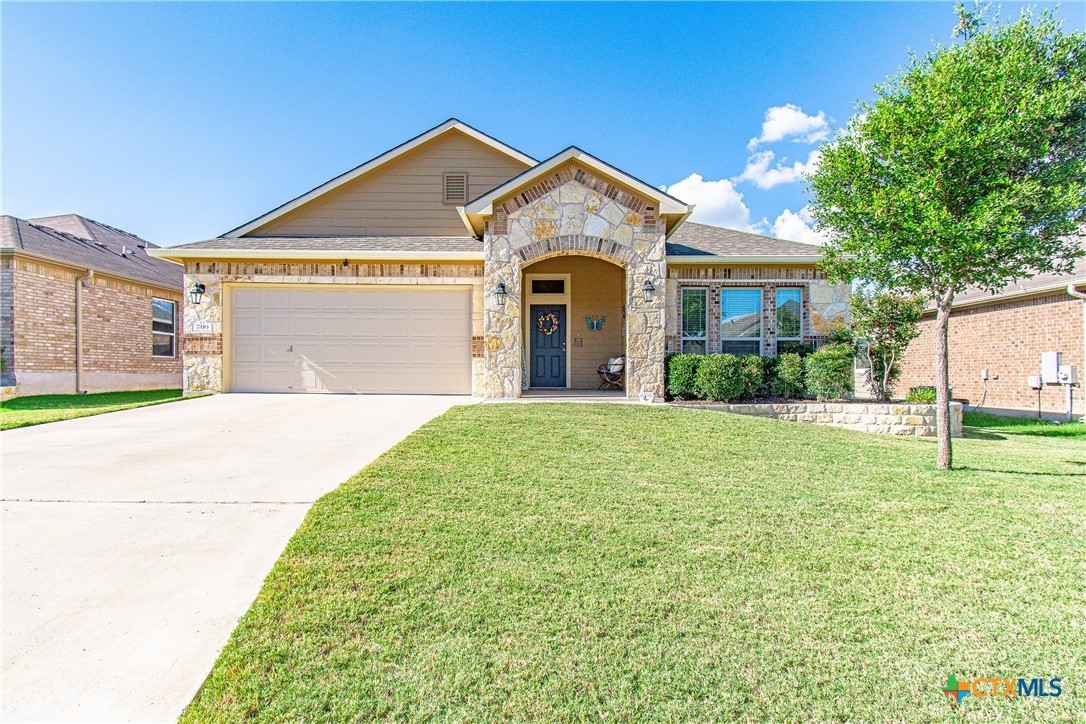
x=548, y=335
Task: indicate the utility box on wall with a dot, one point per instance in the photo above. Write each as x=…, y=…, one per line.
x=1050, y=367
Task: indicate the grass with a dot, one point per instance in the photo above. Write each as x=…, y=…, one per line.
x=570, y=562
x=1025, y=425
x=38, y=409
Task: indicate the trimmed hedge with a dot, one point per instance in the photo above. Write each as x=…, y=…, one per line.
x=682, y=369
x=788, y=375
x=828, y=372
x=720, y=378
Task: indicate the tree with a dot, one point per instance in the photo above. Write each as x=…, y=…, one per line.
x=967, y=169
x=883, y=325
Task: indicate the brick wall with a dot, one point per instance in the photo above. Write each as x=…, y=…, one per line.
x=823, y=303
x=7, y=322
x=116, y=324
x=1007, y=339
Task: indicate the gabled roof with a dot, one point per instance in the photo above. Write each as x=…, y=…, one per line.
x=700, y=243
x=450, y=125
x=668, y=205
x=399, y=248
x=78, y=241
x=1026, y=287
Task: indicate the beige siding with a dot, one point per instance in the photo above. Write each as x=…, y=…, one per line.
x=597, y=289
x=404, y=197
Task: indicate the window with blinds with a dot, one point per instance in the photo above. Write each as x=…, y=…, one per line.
x=741, y=321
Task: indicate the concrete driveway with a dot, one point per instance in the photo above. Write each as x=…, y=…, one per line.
x=133, y=541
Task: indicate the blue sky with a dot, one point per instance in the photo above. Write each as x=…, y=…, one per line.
x=179, y=122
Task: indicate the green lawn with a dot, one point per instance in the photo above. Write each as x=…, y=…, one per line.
x=1025, y=425
x=568, y=562
x=24, y=411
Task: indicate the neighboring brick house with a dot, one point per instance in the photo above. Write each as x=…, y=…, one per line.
x=83, y=308
x=1005, y=333
x=454, y=263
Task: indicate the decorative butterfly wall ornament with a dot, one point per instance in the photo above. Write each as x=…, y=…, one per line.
x=594, y=325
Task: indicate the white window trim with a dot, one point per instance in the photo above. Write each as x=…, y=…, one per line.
x=776, y=311
x=761, y=325
x=705, y=333
x=173, y=327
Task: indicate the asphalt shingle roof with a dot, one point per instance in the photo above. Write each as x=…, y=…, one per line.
x=692, y=239
x=689, y=240
x=87, y=243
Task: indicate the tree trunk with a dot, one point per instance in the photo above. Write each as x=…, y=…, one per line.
x=942, y=380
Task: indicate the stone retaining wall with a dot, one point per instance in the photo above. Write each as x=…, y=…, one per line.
x=886, y=418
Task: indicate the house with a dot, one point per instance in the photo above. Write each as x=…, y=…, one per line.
x=997, y=340
x=83, y=308
x=454, y=263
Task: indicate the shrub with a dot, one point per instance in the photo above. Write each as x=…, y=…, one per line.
x=828, y=372
x=920, y=395
x=720, y=378
x=800, y=348
x=682, y=369
x=752, y=371
x=788, y=377
x=884, y=325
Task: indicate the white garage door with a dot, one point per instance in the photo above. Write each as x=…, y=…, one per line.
x=343, y=339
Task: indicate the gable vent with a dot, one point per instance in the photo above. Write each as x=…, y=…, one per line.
x=456, y=188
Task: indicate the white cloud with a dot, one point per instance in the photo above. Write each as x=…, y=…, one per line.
x=789, y=121
x=797, y=226
x=758, y=169
x=718, y=203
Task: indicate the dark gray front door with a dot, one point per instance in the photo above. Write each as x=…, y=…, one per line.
x=548, y=345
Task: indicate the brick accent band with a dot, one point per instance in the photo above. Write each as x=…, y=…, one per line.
x=565, y=175
x=576, y=243
x=206, y=344
x=477, y=346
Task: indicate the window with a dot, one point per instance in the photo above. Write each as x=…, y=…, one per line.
x=163, y=319
x=741, y=321
x=789, y=319
x=694, y=314
x=456, y=188
x=548, y=286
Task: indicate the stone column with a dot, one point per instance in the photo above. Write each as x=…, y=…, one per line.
x=202, y=338
x=501, y=323
x=646, y=319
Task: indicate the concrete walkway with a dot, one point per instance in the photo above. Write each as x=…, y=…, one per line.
x=133, y=541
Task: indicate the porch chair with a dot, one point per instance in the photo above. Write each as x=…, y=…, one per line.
x=611, y=373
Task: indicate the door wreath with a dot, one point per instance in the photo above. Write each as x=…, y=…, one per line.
x=547, y=324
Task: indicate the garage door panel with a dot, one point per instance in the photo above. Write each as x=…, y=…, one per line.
x=393, y=340
x=275, y=325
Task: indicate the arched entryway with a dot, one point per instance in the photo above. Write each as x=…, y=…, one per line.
x=574, y=319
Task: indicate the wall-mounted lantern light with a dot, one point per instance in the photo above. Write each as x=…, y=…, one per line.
x=196, y=294
x=500, y=293
x=648, y=289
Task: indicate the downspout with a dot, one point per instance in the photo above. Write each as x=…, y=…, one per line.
x=80, y=280
x=1072, y=289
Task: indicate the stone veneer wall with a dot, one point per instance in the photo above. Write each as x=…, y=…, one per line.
x=203, y=351
x=573, y=212
x=824, y=304
x=881, y=417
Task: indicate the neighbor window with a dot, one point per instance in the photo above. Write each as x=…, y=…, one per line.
x=694, y=313
x=163, y=321
x=741, y=321
x=789, y=320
